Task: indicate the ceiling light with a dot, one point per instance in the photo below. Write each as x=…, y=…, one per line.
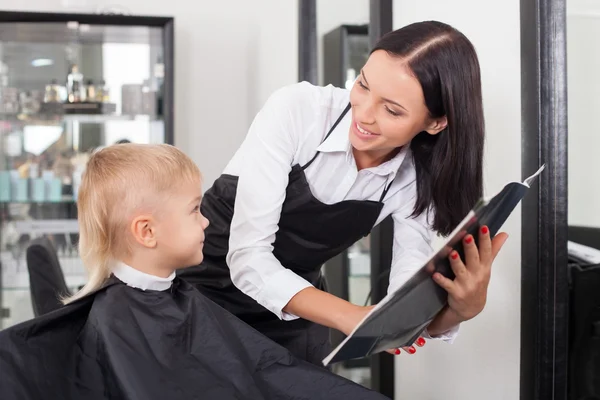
x=42, y=62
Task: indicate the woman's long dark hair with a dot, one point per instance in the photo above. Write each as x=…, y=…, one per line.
x=449, y=165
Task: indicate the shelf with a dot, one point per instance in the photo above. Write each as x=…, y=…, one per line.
x=77, y=32
x=81, y=118
x=47, y=226
x=45, y=202
x=91, y=118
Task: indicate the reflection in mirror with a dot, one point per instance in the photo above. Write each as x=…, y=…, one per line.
x=583, y=61
x=583, y=83
x=346, y=50
x=334, y=50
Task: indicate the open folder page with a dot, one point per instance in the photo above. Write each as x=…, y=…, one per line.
x=400, y=318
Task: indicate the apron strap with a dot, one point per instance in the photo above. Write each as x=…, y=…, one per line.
x=385, y=190
x=328, y=133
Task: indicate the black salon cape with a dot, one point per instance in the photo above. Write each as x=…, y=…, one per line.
x=124, y=343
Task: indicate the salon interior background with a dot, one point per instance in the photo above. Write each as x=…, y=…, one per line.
x=230, y=55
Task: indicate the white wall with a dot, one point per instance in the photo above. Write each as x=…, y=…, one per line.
x=483, y=363
x=229, y=56
x=583, y=58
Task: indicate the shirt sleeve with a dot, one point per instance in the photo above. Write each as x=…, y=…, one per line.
x=411, y=249
x=266, y=161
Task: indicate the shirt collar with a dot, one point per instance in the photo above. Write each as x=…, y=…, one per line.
x=339, y=141
x=140, y=280
x=391, y=167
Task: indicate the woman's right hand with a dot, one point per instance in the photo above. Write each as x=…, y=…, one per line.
x=356, y=315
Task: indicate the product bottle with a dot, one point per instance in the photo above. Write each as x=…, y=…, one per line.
x=75, y=85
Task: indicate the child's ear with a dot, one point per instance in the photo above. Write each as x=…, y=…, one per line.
x=142, y=228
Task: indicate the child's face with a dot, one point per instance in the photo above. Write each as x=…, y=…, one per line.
x=180, y=233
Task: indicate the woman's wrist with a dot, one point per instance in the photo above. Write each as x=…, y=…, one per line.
x=444, y=321
x=350, y=316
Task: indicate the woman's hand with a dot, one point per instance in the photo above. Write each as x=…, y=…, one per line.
x=357, y=314
x=467, y=293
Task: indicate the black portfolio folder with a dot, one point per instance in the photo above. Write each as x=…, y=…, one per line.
x=400, y=318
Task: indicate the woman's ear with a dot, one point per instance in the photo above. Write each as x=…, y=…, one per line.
x=142, y=229
x=437, y=125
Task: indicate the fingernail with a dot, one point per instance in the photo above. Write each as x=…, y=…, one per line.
x=468, y=239
x=484, y=230
x=412, y=350
x=397, y=351
x=420, y=342
x=454, y=255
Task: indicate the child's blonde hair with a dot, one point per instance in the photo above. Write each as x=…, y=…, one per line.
x=118, y=181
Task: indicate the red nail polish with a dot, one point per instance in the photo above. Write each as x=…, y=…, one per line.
x=469, y=239
x=397, y=351
x=421, y=341
x=484, y=230
x=454, y=255
x=412, y=350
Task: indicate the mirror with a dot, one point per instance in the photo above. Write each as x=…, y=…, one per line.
x=583, y=64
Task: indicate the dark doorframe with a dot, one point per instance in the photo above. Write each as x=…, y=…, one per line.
x=380, y=19
x=307, y=41
x=544, y=279
x=382, y=236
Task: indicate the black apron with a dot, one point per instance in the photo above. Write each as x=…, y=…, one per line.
x=310, y=233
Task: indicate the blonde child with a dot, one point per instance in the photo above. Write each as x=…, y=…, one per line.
x=139, y=211
x=135, y=330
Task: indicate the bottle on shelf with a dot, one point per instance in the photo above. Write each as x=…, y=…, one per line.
x=52, y=95
x=91, y=91
x=105, y=92
x=75, y=88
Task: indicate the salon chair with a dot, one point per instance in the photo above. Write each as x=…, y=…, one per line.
x=46, y=278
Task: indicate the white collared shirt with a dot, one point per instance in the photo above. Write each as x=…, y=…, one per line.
x=289, y=130
x=141, y=280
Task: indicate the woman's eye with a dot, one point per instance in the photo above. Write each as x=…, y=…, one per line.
x=392, y=112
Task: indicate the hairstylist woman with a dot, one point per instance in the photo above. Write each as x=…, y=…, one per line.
x=321, y=166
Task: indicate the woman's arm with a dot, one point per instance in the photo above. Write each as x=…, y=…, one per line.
x=326, y=309
x=264, y=162
x=266, y=157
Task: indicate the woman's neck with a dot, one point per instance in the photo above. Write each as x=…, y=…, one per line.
x=370, y=159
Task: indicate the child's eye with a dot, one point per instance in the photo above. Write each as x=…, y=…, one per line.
x=197, y=208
